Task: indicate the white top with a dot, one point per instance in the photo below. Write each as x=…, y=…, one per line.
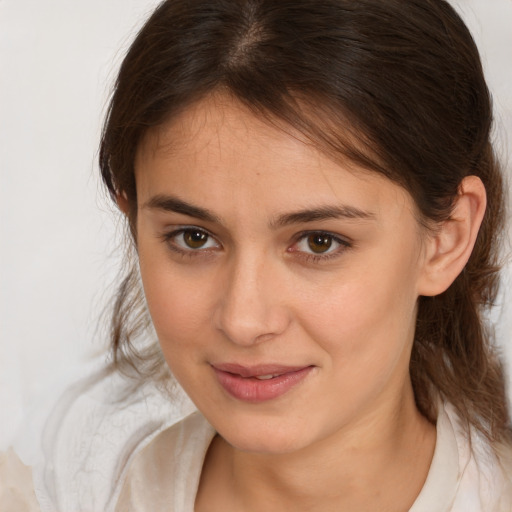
x=165, y=474
x=110, y=447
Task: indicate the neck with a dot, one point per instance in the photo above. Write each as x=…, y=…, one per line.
x=378, y=462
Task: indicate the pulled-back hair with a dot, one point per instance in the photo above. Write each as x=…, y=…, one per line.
x=395, y=86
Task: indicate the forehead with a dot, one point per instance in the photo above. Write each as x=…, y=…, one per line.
x=218, y=150
x=219, y=122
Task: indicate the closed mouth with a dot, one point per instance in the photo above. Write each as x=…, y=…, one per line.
x=260, y=383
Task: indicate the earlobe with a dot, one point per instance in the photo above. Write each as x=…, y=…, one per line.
x=448, y=249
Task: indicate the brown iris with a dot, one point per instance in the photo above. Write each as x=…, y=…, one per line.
x=195, y=239
x=319, y=242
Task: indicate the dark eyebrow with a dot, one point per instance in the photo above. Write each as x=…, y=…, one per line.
x=321, y=213
x=173, y=204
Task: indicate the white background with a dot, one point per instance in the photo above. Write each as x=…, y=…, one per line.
x=58, y=234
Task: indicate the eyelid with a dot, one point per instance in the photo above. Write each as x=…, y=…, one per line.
x=343, y=240
x=343, y=245
x=168, y=237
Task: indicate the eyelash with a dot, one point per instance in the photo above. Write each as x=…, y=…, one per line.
x=343, y=244
x=169, y=239
x=310, y=257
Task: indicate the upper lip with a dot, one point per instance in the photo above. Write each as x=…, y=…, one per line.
x=257, y=370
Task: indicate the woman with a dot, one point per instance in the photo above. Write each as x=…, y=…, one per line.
x=315, y=206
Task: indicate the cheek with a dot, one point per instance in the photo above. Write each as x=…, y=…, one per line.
x=179, y=302
x=180, y=323
x=366, y=334
x=176, y=313
x=367, y=318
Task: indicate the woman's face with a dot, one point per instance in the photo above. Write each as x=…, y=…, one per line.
x=282, y=286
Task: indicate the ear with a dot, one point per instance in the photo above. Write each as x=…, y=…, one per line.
x=122, y=202
x=448, y=249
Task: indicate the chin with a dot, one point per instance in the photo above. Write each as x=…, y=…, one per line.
x=269, y=446
x=265, y=437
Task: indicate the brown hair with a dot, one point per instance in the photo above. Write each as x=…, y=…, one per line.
x=396, y=86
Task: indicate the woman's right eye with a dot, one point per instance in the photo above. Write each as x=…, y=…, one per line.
x=191, y=240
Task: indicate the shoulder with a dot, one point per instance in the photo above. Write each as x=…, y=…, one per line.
x=500, y=476
x=166, y=472
x=16, y=485
x=92, y=434
x=485, y=472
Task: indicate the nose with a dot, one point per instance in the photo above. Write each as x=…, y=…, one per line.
x=251, y=307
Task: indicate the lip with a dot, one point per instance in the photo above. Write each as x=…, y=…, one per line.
x=241, y=382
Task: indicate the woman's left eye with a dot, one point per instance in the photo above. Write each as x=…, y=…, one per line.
x=190, y=240
x=319, y=244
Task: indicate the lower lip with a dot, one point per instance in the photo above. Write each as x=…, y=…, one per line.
x=255, y=390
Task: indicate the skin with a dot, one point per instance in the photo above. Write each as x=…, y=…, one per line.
x=348, y=436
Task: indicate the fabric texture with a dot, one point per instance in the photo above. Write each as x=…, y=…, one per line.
x=93, y=432
x=459, y=480
x=111, y=446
